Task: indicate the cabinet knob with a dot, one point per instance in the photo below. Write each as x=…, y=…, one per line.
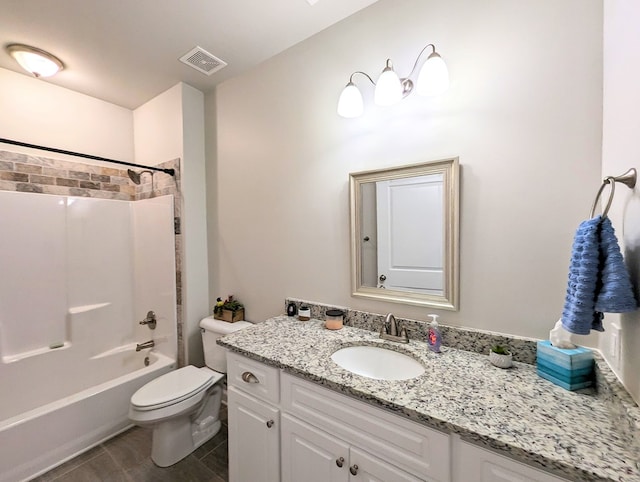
x=353, y=469
x=340, y=462
x=270, y=423
x=249, y=377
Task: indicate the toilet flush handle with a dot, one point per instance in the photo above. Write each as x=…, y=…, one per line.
x=249, y=377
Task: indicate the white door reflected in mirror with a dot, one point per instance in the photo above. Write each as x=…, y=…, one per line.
x=410, y=253
x=404, y=234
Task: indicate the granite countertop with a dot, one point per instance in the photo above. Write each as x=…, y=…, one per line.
x=572, y=434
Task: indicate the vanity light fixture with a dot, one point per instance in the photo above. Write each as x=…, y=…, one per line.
x=35, y=61
x=433, y=79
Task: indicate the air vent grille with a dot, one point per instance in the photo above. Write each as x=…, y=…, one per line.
x=202, y=61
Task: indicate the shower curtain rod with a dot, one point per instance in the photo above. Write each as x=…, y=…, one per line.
x=171, y=172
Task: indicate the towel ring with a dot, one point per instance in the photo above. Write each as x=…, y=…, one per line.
x=629, y=178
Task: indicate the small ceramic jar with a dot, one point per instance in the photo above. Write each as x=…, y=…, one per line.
x=334, y=319
x=304, y=314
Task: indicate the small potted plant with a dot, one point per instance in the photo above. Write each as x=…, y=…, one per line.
x=500, y=356
x=228, y=310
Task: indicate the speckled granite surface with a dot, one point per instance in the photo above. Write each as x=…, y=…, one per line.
x=468, y=339
x=609, y=389
x=573, y=435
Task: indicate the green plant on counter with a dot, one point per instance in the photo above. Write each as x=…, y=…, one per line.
x=500, y=349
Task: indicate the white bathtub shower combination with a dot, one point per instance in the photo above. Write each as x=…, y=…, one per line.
x=77, y=276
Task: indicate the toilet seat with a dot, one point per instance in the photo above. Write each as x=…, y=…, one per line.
x=173, y=387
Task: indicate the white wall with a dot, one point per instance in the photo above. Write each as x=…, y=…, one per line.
x=36, y=112
x=523, y=114
x=620, y=151
x=157, y=129
x=170, y=126
x=195, y=290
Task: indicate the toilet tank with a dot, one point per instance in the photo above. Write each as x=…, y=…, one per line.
x=215, y=356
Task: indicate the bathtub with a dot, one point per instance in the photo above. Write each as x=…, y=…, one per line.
x=40, y=438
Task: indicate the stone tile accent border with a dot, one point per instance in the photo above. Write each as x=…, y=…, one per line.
x=468, y=339
x=43, y=175
x=524, y=350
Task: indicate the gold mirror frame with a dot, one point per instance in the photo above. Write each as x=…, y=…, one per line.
x=449, y=168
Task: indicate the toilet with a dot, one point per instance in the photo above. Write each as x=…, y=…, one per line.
x=182, y=406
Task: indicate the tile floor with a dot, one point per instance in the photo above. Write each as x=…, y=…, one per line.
x=126, y=457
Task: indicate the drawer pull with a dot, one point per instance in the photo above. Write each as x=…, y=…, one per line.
x=340, y=462
x=250, y=378
x=270, y=423
x=353, y=469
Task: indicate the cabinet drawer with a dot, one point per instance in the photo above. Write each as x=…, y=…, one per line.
x=409, y=445
x=250, y=376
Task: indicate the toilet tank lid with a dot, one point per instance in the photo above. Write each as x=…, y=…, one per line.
x=223, y=327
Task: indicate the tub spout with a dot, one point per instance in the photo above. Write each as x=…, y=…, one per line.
x=146, y=344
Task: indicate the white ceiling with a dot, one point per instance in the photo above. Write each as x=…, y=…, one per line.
x=126, y=51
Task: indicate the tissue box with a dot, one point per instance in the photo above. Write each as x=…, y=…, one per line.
x=571, y=369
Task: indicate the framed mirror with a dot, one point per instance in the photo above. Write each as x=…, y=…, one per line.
x=404, y=234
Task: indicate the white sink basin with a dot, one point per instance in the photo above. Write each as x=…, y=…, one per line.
x=377, y=362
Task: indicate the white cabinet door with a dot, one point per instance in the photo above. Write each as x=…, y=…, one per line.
x=475, y=464
x=254, y=445
x=365, y=467
x=311, y=455
x=406, y=444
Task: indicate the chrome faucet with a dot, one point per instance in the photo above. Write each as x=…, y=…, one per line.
x=392, y=330
x=146, y=344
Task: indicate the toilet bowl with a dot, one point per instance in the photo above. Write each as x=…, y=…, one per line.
x=182, y=406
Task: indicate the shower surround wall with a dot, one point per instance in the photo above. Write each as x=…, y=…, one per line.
x=79, y=272
x=42, y=175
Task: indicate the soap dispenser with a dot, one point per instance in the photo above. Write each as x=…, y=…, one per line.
x=434, y=337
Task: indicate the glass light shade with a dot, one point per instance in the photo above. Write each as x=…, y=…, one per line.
x=388, y=88
x=35, y=61
x=433, y=78
x=350, y=103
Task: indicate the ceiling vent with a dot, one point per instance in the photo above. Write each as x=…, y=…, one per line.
x=202, y=61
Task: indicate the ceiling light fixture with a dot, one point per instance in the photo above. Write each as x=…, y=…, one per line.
x=35, y=61
x=433, y=79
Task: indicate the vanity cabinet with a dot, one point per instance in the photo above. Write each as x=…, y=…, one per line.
x=481, y=465
x=284, y=428
x=254, y=420
x=312, y=455
x=332, y=430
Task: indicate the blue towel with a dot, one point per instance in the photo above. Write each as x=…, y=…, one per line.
x=598, y=278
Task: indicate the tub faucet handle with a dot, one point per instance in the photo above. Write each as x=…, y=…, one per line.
x=150, y=320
